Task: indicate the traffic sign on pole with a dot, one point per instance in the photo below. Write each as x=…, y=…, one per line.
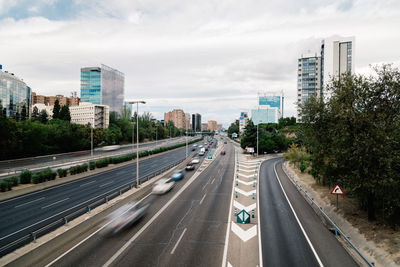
x=243, y=217
x=337, y=190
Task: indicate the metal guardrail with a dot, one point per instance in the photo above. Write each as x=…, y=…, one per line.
x=58, y=220
x=290, y=175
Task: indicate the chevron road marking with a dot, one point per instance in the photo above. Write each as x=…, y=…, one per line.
x=252, y=170
x=245, y=235
x=242, y=207
x=246, y=183
x=247, y=176
x=245, y=192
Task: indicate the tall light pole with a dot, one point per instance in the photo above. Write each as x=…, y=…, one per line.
x=91, y=141
x=137, y=139
x=257, y=138
x=186, y=139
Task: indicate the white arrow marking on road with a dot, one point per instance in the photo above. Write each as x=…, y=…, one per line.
x=244, y=192
x=247, y=176
x=246, y=183
x=243, y=234
x=251, y=170
x=242, y=207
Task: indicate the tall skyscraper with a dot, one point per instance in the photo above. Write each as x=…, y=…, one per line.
x=337, y=57
x=315, y=71
x=103, y=85
x=196, y=122
x=308, y=77
x=14, y=94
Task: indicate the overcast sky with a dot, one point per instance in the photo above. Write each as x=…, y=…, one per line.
x=209, y=57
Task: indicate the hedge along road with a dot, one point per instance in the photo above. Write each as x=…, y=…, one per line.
x=21, y=215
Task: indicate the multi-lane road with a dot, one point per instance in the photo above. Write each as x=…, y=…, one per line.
x=188, y=226
x=25, y=214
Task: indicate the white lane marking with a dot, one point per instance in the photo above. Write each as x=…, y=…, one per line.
x=212, y=181
x=201, y=201
x=246, y=193
x=298, y=221
x=224, y=257
x=30, y=202
x=246, y=183
x=106, y=183
x=245, y=235
x=242, y=207
x=87, y=183
x=229, y=264
x=179, y=240
x=247, y=176
x=95, y=232
x=138, y=233
x=259, y=219
x=204, y=186
x=62, y=200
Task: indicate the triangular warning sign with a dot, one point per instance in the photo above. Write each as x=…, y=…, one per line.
x=337, y=190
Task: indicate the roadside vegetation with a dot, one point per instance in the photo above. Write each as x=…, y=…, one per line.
x=37, y=135
x=352, y=139
x=27, y=177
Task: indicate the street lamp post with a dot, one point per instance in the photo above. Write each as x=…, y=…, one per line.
x=257, y=139
x=137, y=139
x=91, y=141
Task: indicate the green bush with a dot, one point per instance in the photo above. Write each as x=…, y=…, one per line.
x=38, y=178
x=5, y=186
x=92, y=165
x=25, y=177
x=62, y=172
x=102, y=163
x=48, y=175
x=13, y=181
x=303, y=166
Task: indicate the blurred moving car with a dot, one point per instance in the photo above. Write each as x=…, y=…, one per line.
x=195, y=160
x=162, y=186
x=189, y=166
x=125, y=216
x=177, y=175
x=223, y=153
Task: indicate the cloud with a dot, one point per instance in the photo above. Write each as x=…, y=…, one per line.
x=210, y=57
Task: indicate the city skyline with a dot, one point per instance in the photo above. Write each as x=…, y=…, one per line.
x=212, y=59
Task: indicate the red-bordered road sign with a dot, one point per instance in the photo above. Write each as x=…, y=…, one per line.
x=337, y=190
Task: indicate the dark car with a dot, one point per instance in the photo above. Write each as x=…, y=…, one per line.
x=189, y=166
x=223, y=153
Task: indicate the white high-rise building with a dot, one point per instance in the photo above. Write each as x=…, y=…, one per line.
x=337, y=57
x=315, y=71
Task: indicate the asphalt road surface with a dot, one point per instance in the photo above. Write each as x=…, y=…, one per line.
x=7, y=166
x=22, y=215
x=189, y=232
x=283, y=240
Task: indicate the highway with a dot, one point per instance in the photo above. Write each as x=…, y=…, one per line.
x=284, y=242
x=189, y=231
x=9, y=167
x=24, y=214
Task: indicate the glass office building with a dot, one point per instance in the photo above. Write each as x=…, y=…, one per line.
x=14, y=94
x=104, y=86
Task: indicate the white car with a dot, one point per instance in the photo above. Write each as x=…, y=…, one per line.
x=162, y=186
x=195, y=160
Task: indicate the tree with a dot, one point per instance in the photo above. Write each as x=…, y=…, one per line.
x=43, y=117
x=249, y=137
x=233, y=128
x=354, y=138
x=56, y=110
x=23, y=113
x=65, y=114
x=35, y=113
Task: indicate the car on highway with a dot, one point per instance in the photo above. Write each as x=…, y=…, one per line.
x=162, y=186
x=225, y=142
x=223, y=152
x=195, y=160
x=126, y=216
x=200, y=146
x=177, y=175
x=189, y=166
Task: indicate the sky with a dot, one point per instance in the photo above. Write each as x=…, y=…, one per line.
x=210, y=57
